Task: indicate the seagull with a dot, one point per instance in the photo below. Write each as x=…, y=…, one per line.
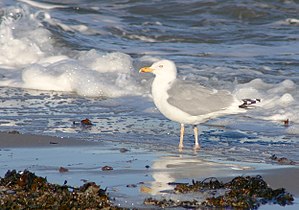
x=187, y=102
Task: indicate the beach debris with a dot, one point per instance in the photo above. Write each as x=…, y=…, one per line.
x=131, y=186
x=86, y=122
x=286, y=122
x=25, y=190
x=241, y=192
x=13, y=132
x=84, y=180
x=124, y=150
x=131, y=160
x=282, y=160
x=107, y=168
x=145, y=189
x=63, y=170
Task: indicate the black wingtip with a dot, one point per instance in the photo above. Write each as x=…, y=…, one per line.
x=248, y=102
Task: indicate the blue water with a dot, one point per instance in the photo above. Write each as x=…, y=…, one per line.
x=61, y=62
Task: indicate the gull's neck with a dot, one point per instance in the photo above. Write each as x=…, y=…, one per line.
x=160, y=87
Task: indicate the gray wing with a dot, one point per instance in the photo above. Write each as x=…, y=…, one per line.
x=197, y=100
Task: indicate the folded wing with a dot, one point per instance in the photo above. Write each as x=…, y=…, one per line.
x=195, y=99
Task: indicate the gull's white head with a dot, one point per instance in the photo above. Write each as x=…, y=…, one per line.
x=163, y=68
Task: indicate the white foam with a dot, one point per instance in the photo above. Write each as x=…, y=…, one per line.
x=111, y=62
x=30, y=59
x=42, y=5
x=41, y=78
x=112, y=80
x=19, y=47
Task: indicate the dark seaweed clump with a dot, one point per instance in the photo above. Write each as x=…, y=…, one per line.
x=241, y=192
x=25, y=190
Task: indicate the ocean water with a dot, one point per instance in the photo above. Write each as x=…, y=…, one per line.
x=64, y=61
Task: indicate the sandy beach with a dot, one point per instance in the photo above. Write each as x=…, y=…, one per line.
x=137, y=173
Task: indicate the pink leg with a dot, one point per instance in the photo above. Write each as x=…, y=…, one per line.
x=196, y=144
x=181, y=145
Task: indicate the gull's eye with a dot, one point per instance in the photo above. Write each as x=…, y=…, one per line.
x=161, y=66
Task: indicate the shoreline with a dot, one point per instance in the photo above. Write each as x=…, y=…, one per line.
x=134, y=168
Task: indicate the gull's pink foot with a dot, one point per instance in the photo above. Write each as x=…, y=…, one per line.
x=181, y=147
x=196, y=147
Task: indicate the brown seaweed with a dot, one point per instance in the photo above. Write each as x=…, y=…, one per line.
x=25, y=190
x=241, y=192
x=86, y=122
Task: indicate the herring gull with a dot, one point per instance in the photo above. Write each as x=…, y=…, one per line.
x=189, y=103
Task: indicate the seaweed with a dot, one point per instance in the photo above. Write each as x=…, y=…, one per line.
x=86, y=122
x=207, y=184
x=25, y=190
x=241, y=192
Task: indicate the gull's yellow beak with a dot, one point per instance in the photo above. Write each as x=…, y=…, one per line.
x=146, y=70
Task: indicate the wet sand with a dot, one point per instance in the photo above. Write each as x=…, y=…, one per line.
x=137, y=172
x=16, y=140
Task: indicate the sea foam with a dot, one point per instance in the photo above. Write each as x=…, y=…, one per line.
x=279, y=102
x=29, y=58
